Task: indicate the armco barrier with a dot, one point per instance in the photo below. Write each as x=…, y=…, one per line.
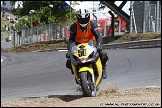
x=141, y=43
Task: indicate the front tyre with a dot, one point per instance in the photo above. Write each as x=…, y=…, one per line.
x=88, y=84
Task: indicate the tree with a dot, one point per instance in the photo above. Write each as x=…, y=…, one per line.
x=42, y=11
x=74, y=3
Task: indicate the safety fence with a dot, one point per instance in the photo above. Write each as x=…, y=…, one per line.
x=145, y=16
x=41, y=33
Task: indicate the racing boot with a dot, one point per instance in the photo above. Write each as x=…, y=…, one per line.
x=68, y=65
x=104, y=74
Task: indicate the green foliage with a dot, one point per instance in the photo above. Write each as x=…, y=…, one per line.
x=43, y=14
x=74, y=3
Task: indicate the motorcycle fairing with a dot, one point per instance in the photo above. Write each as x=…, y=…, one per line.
x=81, y=62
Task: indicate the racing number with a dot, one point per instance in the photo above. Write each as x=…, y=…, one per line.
x=82, y=52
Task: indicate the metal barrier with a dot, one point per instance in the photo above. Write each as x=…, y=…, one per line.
x=131, y=44
x=141, y=43
x=41, y=33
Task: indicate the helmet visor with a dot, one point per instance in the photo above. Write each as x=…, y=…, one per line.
x=83, y=20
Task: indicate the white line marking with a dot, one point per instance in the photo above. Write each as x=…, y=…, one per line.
x=62, y=50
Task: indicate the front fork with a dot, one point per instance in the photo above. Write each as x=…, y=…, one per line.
x=87, y=69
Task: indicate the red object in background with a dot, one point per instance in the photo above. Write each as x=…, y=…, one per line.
x=109, y=33
x=107, y=22
x=104, y=23
x=46, y=37
x=123, y=23
x=34, y=23
x=67, y=32
x=6, y=39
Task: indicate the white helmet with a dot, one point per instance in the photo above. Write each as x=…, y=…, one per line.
x=83, y=17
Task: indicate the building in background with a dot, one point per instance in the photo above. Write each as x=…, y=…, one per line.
x=7, y=5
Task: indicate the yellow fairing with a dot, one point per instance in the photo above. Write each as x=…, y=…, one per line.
x=99, y=70
x=99, y=66
x=89, y=69
x=74, y=70
x=82, y=53
x=86, y=68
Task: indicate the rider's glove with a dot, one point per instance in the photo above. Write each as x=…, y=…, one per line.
x=68, y=54
x=99, y=47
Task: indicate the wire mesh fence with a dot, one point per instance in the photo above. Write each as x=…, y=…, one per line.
x=145, y=16
x=41, y=33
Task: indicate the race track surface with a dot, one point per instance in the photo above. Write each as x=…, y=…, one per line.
x=36, y=74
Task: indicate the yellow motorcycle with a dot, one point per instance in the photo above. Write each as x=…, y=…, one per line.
x=86, y=66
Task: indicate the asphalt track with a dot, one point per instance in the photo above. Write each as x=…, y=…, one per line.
x=37, y=74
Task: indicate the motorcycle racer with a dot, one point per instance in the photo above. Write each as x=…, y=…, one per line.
x=82, y=31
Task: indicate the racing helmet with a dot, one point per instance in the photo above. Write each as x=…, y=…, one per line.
x=83, y=17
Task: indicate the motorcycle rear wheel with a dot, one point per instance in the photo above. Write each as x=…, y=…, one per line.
x=88, y=84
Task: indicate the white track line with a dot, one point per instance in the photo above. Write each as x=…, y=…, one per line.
x=62, y=50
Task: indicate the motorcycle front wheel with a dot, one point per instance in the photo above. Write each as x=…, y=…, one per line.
x=88, y=84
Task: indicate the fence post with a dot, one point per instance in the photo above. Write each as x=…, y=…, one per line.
x=14, y=31
x=131, y=7
x=157, y=17
x=112, y=23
